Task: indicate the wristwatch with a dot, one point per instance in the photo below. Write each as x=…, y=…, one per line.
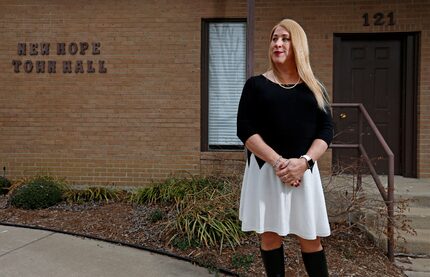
x=309, y=161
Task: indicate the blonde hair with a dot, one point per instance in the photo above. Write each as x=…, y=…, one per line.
x=301, y=53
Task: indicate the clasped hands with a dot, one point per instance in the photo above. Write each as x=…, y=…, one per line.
x=291, y=171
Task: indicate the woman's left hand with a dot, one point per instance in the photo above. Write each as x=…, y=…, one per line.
x=294, y=172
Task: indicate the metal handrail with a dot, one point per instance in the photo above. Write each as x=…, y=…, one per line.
x=388, y=195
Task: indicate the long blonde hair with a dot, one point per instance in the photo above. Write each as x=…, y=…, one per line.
x=301, y=53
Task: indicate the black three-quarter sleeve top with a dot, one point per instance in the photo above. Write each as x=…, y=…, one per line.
x=288, y=120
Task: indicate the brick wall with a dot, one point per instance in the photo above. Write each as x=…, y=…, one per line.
x=140, y=121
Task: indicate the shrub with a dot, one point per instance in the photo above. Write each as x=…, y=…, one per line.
x=156, y=215
x=183, y=244
x=38, y=193
x=91, y=194
x=209, y=223
x=175, y=191
x=4, y=185
x=206, y=209
x=170, y=191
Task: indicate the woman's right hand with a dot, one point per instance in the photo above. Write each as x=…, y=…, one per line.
x=282, y=172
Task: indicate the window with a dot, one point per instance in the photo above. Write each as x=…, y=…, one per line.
x=223, y=77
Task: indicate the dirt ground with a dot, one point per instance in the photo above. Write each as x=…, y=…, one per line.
x=349, y=252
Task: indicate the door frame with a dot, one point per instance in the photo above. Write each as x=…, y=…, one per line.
x=410, y=52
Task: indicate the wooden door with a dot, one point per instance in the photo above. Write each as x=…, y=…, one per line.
x=368, y=71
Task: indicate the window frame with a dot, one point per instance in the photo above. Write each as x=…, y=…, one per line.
x=204, y=84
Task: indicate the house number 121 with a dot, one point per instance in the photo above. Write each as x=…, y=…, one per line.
x=379, y=19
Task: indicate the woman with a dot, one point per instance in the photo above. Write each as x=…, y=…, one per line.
x=285, y=122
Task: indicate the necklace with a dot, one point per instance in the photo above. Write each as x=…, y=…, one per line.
x=284, y=86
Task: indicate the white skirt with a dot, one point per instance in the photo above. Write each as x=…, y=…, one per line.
x=267, y=205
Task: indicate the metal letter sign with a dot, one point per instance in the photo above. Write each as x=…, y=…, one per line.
x=62, y=49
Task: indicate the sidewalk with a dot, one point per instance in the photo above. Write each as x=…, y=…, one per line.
x=33, y=253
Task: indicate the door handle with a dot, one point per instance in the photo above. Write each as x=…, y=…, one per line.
x=343, y=115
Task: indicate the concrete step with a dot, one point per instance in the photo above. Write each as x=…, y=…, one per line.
x=414, y=244
x=419, y=217
x=416, y=274
x=414, y=266
x=417, y=191
x=419, y=201
x=419, y=244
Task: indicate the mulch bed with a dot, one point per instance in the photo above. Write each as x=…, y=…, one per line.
x=349, y=251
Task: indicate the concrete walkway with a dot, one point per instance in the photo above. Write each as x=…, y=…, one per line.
x=33, y=253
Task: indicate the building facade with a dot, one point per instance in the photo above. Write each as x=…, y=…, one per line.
x=120, y=92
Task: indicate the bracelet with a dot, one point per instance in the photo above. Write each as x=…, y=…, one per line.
x=275, y=165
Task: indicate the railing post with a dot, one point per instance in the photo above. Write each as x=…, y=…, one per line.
x=360, y=143
x=390, y=207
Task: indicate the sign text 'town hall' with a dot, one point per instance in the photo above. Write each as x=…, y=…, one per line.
x=43, y=50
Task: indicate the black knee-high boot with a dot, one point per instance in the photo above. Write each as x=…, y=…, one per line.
x=315, y=264
x=273, y=261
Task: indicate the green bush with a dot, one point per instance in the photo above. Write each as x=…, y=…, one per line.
x=171, y=191
x=176, y=191
x=209, y=223
x=206, y=209
x=38, y=193
x=156, y=215
x=4, y=185
x=91, y=194
x=183, y=243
